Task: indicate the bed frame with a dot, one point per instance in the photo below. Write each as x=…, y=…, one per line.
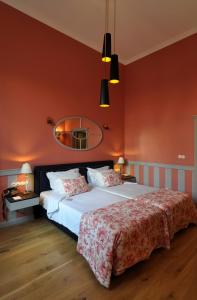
x=41, y=183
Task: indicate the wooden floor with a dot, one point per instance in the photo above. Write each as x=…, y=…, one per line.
x=38, y=261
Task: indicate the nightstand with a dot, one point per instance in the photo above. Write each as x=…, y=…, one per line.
x=27, y=200
x=128, y=178
x=20, y=210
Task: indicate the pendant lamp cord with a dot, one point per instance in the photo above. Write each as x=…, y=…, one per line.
x=106, y=27
x=106, y=15
x=114, y=25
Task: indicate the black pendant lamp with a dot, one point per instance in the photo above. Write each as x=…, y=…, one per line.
x=106, y=54
x=114, y=67
x=104, y=95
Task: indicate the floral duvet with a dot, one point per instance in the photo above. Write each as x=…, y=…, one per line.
x=118, y=236
x=179, y=209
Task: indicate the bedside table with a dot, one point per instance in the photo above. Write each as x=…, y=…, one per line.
x=27, y=200
x=128, y=178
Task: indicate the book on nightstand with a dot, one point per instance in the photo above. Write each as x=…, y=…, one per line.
x=21, y=196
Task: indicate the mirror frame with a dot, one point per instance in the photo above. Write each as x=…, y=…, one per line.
x=80, y=117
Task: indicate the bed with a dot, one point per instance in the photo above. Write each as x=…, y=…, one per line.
x=178, y=207
x=41, y=184
x=115, y=230
x=68, y=212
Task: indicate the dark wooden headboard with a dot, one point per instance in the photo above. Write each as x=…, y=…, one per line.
x=41, y=182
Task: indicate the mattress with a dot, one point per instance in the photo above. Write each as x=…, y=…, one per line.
x=129, y=190
x=70, y=210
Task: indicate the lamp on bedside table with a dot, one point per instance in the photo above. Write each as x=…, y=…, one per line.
x=121, y=163
x=26, y=169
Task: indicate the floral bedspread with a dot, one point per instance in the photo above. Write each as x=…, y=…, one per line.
x=178, y=207
x=118, y=236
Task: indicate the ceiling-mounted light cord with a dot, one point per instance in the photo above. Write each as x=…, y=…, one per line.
x=106, y=53
x=114, y=25
x=106, y=26
x=105, y=16
x=114, y=67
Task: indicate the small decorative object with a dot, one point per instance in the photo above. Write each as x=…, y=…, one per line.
x=121, y=162
x=26, y=169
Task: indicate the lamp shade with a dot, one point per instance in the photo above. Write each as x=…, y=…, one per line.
x=120, y=161
x=104, y=95
x=26, y=168
x=114, y=69
x=106, y=54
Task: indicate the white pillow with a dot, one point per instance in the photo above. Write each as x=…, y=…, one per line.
x=55, y=177
x=91, y=174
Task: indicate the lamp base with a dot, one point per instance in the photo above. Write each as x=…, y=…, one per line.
x=121, y=169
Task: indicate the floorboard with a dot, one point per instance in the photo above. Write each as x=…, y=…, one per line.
x=39, y=261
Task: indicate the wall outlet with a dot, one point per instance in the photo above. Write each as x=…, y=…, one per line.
x=181, y=156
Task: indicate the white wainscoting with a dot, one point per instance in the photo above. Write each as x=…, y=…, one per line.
x=168, y=171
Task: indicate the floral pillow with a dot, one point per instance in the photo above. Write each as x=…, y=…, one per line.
x=75, y=186
x=108, y=178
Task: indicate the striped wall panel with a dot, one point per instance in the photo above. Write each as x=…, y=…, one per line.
x=175, y=177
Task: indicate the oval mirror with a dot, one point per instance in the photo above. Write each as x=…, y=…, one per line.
x=78, y=133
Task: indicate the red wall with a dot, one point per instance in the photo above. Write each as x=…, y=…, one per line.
x=45, y=73
x=160, y=100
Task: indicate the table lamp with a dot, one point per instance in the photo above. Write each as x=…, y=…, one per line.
x=26, y=169
x=121, y=163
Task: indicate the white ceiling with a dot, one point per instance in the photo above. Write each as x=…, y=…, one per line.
x=142, y=27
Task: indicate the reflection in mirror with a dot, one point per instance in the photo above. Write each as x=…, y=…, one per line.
x=78, y=133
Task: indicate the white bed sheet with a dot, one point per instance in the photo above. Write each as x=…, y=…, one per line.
x=128, y=190
x=70, y=211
